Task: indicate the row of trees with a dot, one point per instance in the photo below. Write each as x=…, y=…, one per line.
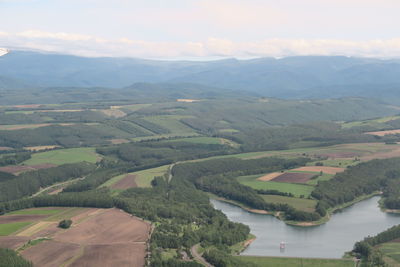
x=14, y=158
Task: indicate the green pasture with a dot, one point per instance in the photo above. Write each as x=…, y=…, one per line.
x=392, y=250
x=296, y=262
x=303, y=204
x=373, y=122
x=63, y=156
x=35, y=212
x=9, y=228
x=296, y=189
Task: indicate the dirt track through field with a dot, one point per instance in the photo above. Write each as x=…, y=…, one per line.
x=127, y=182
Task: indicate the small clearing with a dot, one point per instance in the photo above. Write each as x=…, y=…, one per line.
x=39, y=148
x=116, y=113
x=17, y=169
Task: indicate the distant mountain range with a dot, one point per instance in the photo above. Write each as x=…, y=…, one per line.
x=292, y=77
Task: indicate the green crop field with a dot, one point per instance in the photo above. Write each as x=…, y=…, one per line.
x=142, y=178
x=9, y=228
x=36, y=212
x=62, y=156
x=296, y=262
x=373, y=122
x=295, y=189
x=298, y=203
x=392, y=250
x=172, y=123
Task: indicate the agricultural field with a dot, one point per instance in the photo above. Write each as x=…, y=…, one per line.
x=172, y=123
x=303, y=204
x=295, y=189
x=140, y=178
x=391, y=250
x=63, y=156
x=199, y=140
x=372, y=122
x=98, y=237
x=383, y=133
x=296, y=262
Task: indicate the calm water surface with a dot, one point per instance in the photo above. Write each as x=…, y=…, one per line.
x=329, y=240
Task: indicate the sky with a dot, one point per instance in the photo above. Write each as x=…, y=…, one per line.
x=203, y=29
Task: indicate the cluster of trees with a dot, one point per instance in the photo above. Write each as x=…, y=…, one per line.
x=65, y=224
x=220, y=258
x=9, y=257
x=14, y=158
x=215, y=176
x=30, y=182
x=365, y=249
x=362, y=179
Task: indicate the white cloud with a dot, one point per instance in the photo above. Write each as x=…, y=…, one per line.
x=87, y=45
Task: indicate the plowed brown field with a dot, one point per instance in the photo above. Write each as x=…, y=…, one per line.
x=127, y=182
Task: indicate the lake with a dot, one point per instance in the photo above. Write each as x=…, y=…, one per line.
x=330, y=240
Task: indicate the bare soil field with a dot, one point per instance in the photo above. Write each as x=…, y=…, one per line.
x=21, y=218
x=383, y=155
x=187, y=100
x=127, y=182
x=116, y=113
x=51, y=253
x=112, y=255
x=110, y=226
x=324, y=169
x=39, y=148
x=12, y=242
x=119, y=141
x=293, y=177
x=383, y=133
x=97, y=237
x=17, y=169
x=27, y=106
x=5, y=148
x=269, y=176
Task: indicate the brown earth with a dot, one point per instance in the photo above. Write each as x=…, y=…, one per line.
x=383, y=133
x=39, y=148
x=119, y=141
x=187, y=100
x=294, y=177
x=21, y=218
x=324, y=169
x=5, y=148
x=269, y=176
x=27, y=106
x=111, y=226
x=112, y=255
x=12, y=242
x=127, y=182
x=383, y=155
x=51, y=253
x=17, y=169
x=116, y=113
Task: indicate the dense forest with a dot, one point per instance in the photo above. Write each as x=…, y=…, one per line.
x=362, y=179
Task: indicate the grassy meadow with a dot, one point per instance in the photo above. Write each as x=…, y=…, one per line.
x=63, y=156
x=296, y=262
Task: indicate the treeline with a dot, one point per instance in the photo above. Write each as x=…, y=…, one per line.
x=217, y=176
x=365, y=249
x=127, y=127
x=29, y=183
x=220, y=258
x=362, y=179
x=9, y=258
x=168, y=152
x=14, y=158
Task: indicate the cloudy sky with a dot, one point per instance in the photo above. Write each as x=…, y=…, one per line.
x=202, y=29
